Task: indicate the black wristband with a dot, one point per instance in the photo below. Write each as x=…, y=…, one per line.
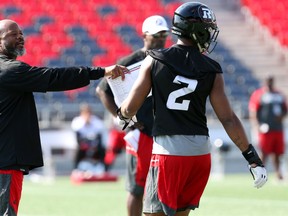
x=118, y=111
x=121, y=117
x=251, y=156
x=96, y=73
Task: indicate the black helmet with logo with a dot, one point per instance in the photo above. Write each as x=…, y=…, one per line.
x=196, y=21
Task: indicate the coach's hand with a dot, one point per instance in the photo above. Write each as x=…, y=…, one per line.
x=115, y=71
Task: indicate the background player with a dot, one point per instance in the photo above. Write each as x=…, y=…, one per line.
x=267, y=109
x=155, y=32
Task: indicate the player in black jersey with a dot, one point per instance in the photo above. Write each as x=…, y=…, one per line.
x=155, y=32
x=182, y=77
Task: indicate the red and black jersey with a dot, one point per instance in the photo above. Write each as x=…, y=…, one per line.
x=182, y=79
x=268, y=105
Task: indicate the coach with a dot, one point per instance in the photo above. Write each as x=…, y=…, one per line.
x=20, y=147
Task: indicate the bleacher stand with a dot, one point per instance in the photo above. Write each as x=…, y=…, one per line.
x=98, y=32
x=270, y=18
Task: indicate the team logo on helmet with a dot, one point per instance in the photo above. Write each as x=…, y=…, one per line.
x=206, y=14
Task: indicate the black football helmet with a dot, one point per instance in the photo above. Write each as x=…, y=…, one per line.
x=196, y=21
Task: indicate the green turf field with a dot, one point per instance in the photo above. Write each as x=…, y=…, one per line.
x=231, y=196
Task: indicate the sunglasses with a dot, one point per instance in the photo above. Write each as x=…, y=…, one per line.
x=162, y=34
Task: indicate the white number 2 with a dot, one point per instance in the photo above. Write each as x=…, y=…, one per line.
x=184, y=105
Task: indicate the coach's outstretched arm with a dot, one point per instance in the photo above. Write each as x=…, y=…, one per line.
x=236, y=132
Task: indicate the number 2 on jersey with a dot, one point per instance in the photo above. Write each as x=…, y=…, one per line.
x=184, y=105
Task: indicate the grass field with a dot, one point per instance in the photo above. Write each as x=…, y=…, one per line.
x=231, y=196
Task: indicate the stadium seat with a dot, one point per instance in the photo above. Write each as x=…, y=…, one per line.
x=52, y=28
x=103, y=60
x=171, y=7
x=41, y=20
x=22, y=20
x=126, y=30
x=274, y=18
x=31, y=30
x=115, y=20
x=89, y=18
x=134, y=41
x=4, y=3
x=54, y=62
x=76, y=29
x=10, y=10
x=106, y=9
x=31, y=59
x=33, y=11
x=60, y=40
x=100, y=32
x=77, y=59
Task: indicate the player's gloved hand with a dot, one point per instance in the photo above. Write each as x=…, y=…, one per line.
x=259, y=175
x=123, y=121
x=256, y=166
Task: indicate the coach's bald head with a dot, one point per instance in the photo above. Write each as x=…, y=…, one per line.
x=11, y=39
x=5, y=24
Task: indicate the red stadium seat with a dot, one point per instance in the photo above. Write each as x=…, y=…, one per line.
x=5, y=3
x=94, y=4
x=21, y=19
x=115, y=20
x=35, y=40
x=53, y=36
x=89, y=17
x=283, y=38
x=274, y=18
x=59, y=37
x=31, y=59
x=170, y=8
x=103, y=60
x=52, y=28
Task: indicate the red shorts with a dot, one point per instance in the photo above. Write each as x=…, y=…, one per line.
x=138, y=165
x=175, y=183
x=116, y=143
x=11, y=188
x=272, y=142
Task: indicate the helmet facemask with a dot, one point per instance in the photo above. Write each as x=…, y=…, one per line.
x=205, y=38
